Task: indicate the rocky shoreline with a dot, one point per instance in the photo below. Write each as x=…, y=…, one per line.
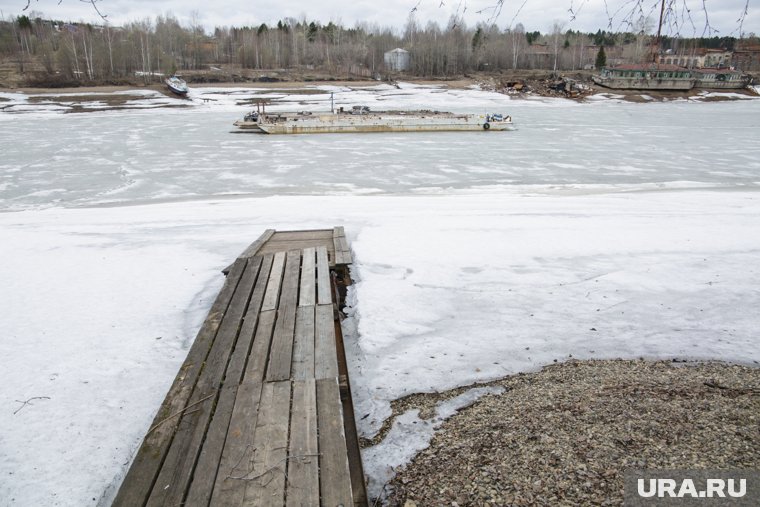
x=565, y=435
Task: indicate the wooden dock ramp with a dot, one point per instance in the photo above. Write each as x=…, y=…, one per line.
x=260, y=413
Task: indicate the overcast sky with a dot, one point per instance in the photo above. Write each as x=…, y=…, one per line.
x=533, y=14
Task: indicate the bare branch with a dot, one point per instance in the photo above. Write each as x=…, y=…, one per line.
x=511, y=23
x=94, y=6
x=276, y=466
x=175, y=414
x=28, y=402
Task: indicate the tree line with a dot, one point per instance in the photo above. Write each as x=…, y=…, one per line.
x=150, y=48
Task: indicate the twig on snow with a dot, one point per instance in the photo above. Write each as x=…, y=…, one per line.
x=28, y=402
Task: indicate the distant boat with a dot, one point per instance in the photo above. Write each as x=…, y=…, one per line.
x=177, y=85
x=645, y=77
x=360, y=119
x=661, y=76
x=665, y=76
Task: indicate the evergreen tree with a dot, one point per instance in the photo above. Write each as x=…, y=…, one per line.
x=477, y=39
x=601, y=58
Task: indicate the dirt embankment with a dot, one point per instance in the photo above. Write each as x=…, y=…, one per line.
x=518, y=83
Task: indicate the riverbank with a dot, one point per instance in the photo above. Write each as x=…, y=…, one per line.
x=566, y=435
x=522, y=84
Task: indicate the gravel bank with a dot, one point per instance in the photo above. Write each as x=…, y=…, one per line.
x=565, y=435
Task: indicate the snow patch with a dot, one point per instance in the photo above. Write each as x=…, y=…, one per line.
x=409, y=435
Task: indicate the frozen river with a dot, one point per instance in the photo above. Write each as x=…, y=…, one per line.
x=138, y=156
x=596, y=230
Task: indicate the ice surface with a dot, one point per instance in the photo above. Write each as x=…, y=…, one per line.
x=595, y=230
x=129, y=156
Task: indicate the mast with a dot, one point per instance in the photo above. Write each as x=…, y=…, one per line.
x=656, y=52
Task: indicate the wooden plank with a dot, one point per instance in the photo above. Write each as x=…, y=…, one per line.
x=242, y=350
x=177, y=470
x=142, y=474
x=303, y=460
x=289, y=292
x=324, y=292
x=343, y=258
x=281, y=354
x=283, y=246
x=254, y=247
x=307, y=296
x=303, y=345
x=266, y=481
x=310, y=234
x=255, y=369
x=334, y=475
x=342, y=250
x=205, y=472
x=275, y=281
x=325, y=353
x=237, y=456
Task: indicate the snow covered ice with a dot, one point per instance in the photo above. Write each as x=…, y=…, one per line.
x=596, y=230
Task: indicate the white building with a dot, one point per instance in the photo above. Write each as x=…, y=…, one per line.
x=397, y=59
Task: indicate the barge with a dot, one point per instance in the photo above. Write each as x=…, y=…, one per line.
x=361, y=119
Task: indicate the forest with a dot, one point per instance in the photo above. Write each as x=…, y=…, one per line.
x=52, y=51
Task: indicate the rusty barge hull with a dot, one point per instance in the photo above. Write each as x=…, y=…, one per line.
x=348, y=123
x=644, y=83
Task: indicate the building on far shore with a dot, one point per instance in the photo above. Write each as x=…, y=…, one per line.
x=697, y=58
x=747, y=57
x=397, y=60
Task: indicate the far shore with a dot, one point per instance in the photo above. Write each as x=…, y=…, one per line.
x=537, y=85
x=287, y=85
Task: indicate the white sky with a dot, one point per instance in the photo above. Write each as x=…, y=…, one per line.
x=534, y=14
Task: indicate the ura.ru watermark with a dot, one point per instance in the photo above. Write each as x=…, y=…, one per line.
x=692, y=487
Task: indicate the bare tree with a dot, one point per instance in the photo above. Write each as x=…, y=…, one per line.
x=557, y=28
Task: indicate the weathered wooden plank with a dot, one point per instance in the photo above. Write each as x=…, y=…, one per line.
x=334, y=475
x=275, y=282
x=284, y=246
x=281, y=353
x=324, y=292
x=142, y=474
x=176, y=472
x=307, y=296
x=255, y=369
x=325, y=354
x=266, y=484
x=289, y=292
x=303, y=345
x=342, y=250
x=237, y=456
x=303, y=460
x=242, y=350
x=339, y=238
x=254, y=247
x=310, y=234
x=205, y=472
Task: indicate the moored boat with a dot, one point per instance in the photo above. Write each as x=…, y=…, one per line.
x=361, y=119
x=645, y=77
x=720, y=78
x=176, y=85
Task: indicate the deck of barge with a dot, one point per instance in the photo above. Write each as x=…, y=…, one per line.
x=260, y=412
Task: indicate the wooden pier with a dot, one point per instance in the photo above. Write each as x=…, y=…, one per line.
x=260, y=412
